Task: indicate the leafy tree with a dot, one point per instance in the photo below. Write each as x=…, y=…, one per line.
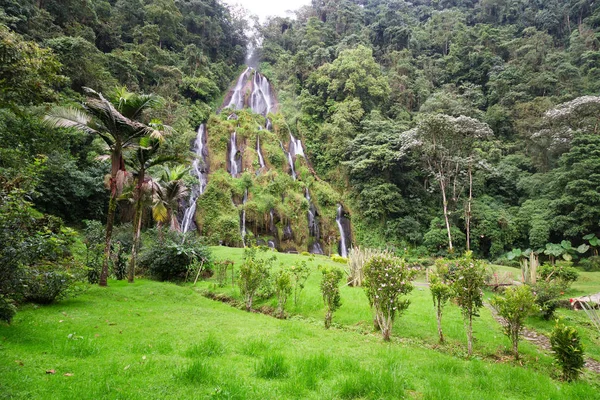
x=100, y=117
x=254, y=271
x=441, y=292
x=467, y=278
x=29, y=72
x=516, y=304
x=331, y=292
x=169, y=191
x=445, y=145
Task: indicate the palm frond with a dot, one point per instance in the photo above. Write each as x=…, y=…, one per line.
x=69, y=117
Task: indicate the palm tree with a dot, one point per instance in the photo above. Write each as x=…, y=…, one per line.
x=169, y=192
x=118, y=125
x=145, y=157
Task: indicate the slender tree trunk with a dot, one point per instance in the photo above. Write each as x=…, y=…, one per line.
x=439, y=322
x=445, y=201
x=137, y=226
x=515, y=342
x=328, y=316
x=470, y=335
x=468, y=216
x=112, y=206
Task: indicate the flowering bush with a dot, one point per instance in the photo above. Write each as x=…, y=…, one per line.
x=387, y=279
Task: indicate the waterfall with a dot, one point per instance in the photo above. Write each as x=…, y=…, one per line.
x=237, y=98
x=233, y=163
x=268, y=124
x=200, y=171
x=296, y=146
x=313, y=226
x=338, y=219
x=261, y=100
x=288, y=154
x=243, y=228
x=261, y=160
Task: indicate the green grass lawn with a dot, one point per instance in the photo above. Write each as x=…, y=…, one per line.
x=155, y=340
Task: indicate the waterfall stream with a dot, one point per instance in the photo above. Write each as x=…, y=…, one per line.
x=243, y=227
x=261, y=159
x=338, y=219
x=314, y=230
x=237, y=98
x=200, y=171
x=233, y=162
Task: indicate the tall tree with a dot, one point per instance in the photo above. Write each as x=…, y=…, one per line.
x=101, y=117
x=445, y=145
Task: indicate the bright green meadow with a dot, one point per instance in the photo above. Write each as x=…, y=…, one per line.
x=155, y=340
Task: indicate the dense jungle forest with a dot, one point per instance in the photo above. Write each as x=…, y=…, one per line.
x=424, y=127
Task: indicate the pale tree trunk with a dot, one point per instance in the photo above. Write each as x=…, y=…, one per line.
x=445, y=201
x=515, y=341
x=468, y=216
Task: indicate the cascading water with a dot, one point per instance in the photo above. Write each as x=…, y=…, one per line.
x=338, y=219
x=296, y=146
x=243, y=228
x=237, y=98
x=261, y=159
x=261, y=100
x=233, y=162
x=200, y=171
x=288, y=155
x=313, y=226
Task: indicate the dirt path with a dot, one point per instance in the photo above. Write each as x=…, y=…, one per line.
x=542, y=341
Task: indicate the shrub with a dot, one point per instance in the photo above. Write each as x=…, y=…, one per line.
x=339, y=259
x=357, y=258
x=568, y=350
x=119, y=262
x=299, y=276
x=45, y=287
x=93, y=234
x=221, y=268
x=590, y=264
x=173, y=258
x=387, y=278
x=546, y=297
x=560, y=273
x=254, y=271
x=283, y=288
x=7, y=308
x=331, y=292
x=467, y=279
x=516, y=305
x=441, y=292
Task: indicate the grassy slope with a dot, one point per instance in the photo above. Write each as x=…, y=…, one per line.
x=156, y=340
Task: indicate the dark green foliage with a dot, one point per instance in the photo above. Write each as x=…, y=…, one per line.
x=171, y=258
x=546, y=297
x=35, y=248
x=562, y=274
x=568, y=350
x=119, y=262
x=45, y=287
x=591, y=264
